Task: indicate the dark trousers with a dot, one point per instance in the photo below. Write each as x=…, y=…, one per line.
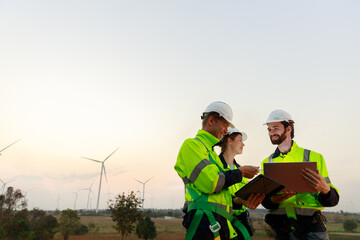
x=279, y=235
x=304, y=228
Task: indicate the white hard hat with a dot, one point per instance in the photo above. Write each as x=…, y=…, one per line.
x=279, y=116
x=235, y=130
x=223, y=109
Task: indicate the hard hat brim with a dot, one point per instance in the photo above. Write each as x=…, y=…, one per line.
x=230, y=123
x=232, y=130
x=284, y=120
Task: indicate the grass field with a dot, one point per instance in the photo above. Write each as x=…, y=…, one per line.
x=172, y=229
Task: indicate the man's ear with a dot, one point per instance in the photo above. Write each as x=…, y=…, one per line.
x=288, y=128
x=211, y=120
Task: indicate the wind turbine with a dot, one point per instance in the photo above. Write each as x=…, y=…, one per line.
x=89, y=190
x=101, y=173
x=76, y=195
x=58, y=201
x=143, y=183
x=4, y=185
x=108, y=195
x=9, y=146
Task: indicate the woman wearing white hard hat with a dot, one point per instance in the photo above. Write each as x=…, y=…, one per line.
x=231, y=145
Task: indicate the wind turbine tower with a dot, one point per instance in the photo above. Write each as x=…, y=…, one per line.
x=101, y=173
x=143, y=183
x=76, y=194
x=57, y=202
x=89, y=191
x=3, y=184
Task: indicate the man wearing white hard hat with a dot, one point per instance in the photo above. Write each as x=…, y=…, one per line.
x=231, y=145
x=297, y=215
x=208, y=204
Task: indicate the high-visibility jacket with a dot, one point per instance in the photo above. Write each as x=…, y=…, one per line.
x=302, y=204
x=236, y=187
x=198, y=173
x=233, y=189
x=200, y=168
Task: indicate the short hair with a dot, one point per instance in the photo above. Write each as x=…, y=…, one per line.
x=291, y=124
x=205, y=117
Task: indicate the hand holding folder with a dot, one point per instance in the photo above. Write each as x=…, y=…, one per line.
x=315, y=180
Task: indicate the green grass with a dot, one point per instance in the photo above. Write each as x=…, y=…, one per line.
x=342, y=237
x=173, y=229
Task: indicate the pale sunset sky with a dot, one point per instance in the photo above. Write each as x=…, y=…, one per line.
x=83, y=78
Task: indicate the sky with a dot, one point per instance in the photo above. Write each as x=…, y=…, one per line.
x=80, y=79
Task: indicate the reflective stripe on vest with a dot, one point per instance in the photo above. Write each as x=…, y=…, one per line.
x=198, y=168
x=327, y=180
x=219, y=185
x=298, y=211
x=305, y=158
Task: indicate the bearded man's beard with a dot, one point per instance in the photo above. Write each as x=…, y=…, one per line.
x=279, y=140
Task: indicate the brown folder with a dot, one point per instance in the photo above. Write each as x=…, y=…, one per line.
x=261, y=184
x=289, y=174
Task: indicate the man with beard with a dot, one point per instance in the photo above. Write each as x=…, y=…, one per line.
x=297, y=215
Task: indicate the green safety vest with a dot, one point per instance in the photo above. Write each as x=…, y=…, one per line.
x=236, y=187
x=233, y=189
x=302, y=204
x=199, y=166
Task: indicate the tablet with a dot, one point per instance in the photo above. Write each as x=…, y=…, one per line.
x=289, y=174
x=261, y=184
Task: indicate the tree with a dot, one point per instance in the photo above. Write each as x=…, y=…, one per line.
x=11, y=201
x=146, y=229
x=125, y=212
x=14, y=222
x=81, y=230
x=93, y=227
x=350, y=225
x=42, y=224
x=69, y=222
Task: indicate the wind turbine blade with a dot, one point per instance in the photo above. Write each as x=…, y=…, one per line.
x=148, y=179
x=9, y=145
x=138, y=181
x=111, y=154
x=92, y=184
x=92, y=159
